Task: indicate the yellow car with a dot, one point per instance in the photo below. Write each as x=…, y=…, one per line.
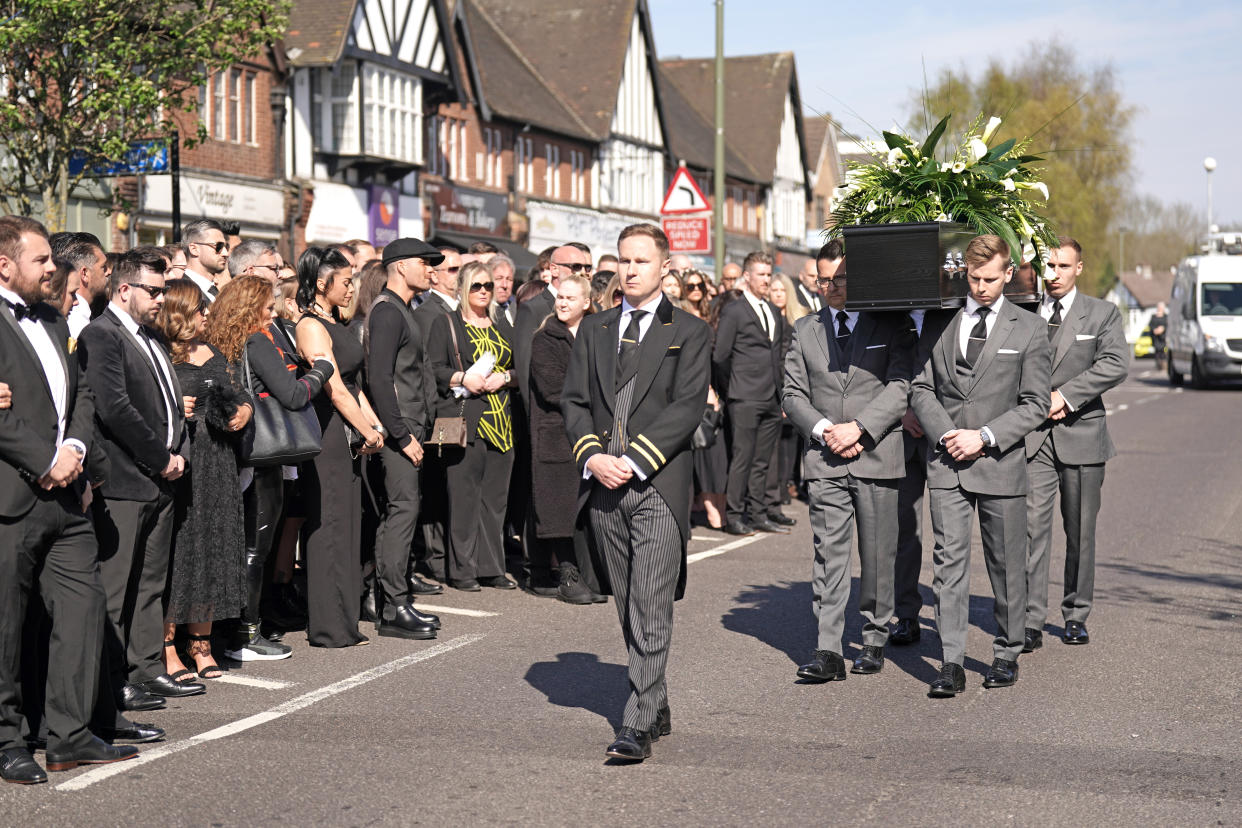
x=1143, y=346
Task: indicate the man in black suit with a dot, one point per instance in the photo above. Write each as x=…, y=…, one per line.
x=47, y=546
x=398, y=377
x=1067, y=453
x=570, y=258
x=633, y=396
x=440, y=298
x=139, y=414
x=506, y=307
x=748, y=366
x=206, y=255
x=805, y=286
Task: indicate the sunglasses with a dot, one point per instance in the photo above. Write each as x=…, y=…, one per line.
x=488, y=286
x=827, y=283
x=218, y=246
x=576, y=267
x=694, y=285
x=152, y=291
x=449, y=269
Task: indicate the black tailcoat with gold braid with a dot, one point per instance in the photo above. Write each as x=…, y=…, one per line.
x=673, y=370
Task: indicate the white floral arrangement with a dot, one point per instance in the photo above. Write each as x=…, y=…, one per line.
x=988, y=189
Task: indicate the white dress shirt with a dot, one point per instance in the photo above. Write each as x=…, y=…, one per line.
x=970, y=316
x=79, y=317
x=448, y=300
x=765, y=313
x=53, y=370
x=851, y=319
x=160, y=364
x=204, y=284
x=916, y=316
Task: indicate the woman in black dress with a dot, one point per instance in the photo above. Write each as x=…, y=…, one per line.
x=477, y=475
x=207, y=569
x=333, y=486
x=555, y=479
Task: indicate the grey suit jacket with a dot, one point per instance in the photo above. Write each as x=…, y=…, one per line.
x=869, y=384
x=1008, y=391
x=1090, y=356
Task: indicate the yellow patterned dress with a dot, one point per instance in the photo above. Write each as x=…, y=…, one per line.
x=496, y=424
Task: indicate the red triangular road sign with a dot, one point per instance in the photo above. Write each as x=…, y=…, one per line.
x=684, y=195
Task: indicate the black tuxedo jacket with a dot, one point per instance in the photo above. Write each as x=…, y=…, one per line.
x=669, y=394
x=746, y=365
x=28, y=427
x=129, y=409
x=807, y=298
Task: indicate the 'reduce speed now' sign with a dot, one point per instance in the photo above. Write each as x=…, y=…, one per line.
x=686, y=215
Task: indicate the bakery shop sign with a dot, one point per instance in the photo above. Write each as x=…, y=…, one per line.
x=468, y=211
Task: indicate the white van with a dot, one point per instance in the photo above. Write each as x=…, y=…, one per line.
x=1205, y=314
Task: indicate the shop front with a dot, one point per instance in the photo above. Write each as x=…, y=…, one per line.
x=258, y=208
x=553, y=224
x=379, y=214
x=461, y=216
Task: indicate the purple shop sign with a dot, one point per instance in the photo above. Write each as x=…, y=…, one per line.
x=384, y=215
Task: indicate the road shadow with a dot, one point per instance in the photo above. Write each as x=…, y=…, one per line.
x=780, y=615
x=581, y=680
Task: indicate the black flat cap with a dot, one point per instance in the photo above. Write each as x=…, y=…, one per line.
x=411, y=249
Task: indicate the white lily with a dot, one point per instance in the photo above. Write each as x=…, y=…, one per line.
x=988, y=131
x=895, y=155
x=942, y=217
x=977, y=149
x=1028, y=252
x=872, y=206
x=958, y=166
x=945, y=166
x=1034, y=185
x=1009, y=185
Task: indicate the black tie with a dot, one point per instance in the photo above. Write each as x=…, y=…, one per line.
x=978, y=336
x=628, y=354
x=170, y=399
x=213, y=291
x=843, y=331
x=22, y=311
x=1054, y=322
x=763, y=320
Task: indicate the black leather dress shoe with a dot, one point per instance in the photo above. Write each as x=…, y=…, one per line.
x=906, y=632
x=98, y=752
x=631, y=745
x=464, y=584
x=135, y=699
x=782, y=519
x=420, y=587
x=950, y=682
x=765, y=525
x=426, y=617
x=404, y=624
x=369, y=611
x=1032, y=640
x=739, y=527
x=165, y=686
x=823, y=666
x=1076, y=633
x=1002, y=673
x=869, y=661
x=663, y=724
x=135, y=733
x=497, y=582
x=20, y=768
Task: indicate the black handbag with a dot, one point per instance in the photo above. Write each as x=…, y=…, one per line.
x=708, y=429
x=277, y=436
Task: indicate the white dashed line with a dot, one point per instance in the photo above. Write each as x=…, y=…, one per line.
x=723, y=548
x=250, y=681
x=421, y=607
x=103, y=772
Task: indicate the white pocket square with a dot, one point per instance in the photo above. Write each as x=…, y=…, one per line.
x=1006, y=351
x=873, y=347
x=1081, y=337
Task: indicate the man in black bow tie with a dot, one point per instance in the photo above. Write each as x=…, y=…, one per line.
x=47, y=546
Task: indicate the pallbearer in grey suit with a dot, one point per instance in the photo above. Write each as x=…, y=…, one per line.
x=847, y=378
x=982, y=385
x=633, y=397
x=1068, y=451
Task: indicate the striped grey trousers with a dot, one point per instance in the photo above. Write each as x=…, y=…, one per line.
x=641, y=546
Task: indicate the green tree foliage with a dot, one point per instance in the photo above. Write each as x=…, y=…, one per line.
x=1156, y=234
x=1078, y=122
x=93, y=75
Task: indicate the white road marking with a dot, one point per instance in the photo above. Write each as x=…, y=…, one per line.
x=103, y=772
x=421, y=607
x=251, y=681
x=723, y=548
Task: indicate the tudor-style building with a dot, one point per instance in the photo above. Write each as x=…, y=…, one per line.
x=365, y=73
x=768, y=184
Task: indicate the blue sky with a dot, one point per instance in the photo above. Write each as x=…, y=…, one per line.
x=1179, y=63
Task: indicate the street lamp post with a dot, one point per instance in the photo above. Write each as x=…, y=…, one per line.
x=1209, y=164
x=1121, y=251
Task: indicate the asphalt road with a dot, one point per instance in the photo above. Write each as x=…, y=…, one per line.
x=504, y=719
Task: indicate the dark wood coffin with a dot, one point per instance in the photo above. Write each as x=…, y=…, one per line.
x=917, y=265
